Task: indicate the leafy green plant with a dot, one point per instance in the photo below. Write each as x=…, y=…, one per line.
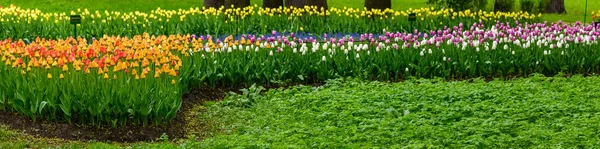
x=459, y=4
x=504, y=5
x=535, y=112
x=528, y=6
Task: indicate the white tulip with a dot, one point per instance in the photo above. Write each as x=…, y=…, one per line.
x=324, y=58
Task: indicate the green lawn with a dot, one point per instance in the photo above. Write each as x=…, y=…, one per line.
x=575, y=8
x=535, y=112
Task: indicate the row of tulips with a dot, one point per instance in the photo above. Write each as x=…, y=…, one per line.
x=26, y=23
x=112, y=81
x=120, y=80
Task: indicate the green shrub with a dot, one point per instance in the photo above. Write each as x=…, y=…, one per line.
x=541, y=7
x=528, y=6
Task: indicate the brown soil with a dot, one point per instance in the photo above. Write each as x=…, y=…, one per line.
x=176, y=129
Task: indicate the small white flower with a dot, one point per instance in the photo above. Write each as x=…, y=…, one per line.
x=357, y=56
x=295, y=50
x=505, y=47
x=513, y=52
x=256, y=49
x=562, y=53
x=229, y=49
x=406, y=69
x=324, y=58
x=444, y=59
x=271, y=53
x=430, y=51
x=545, y=52
x=422, y=53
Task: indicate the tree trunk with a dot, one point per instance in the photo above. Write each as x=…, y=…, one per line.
x=378, y=4
x=503, y=5
x=272, y=3
x=213, y=3
x=295, y=3
x=237, y=3
x=302, y=3
x=556, y=6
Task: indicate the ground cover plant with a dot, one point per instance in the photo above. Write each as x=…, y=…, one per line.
x=534, y=112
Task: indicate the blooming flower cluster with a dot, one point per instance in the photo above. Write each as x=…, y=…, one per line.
x=250, y=19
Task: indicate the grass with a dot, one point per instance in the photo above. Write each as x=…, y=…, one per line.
x=535, y=112
x=575, y=8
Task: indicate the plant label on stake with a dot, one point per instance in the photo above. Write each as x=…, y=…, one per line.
x=412, y=17
x=75, y=19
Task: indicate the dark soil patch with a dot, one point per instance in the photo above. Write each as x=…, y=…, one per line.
x=176, y=129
